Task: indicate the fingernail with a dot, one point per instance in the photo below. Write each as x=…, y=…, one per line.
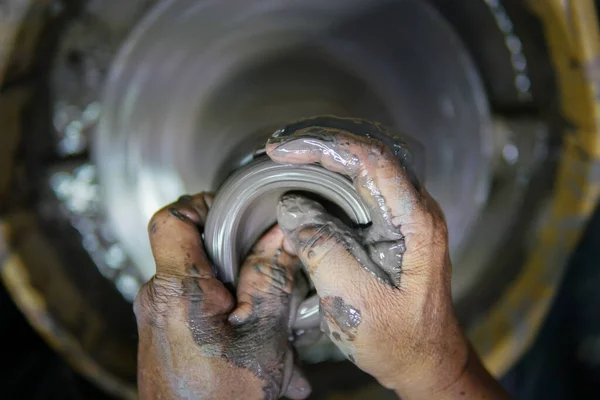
x=185, y=198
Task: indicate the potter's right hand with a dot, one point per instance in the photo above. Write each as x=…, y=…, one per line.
x=385, y=289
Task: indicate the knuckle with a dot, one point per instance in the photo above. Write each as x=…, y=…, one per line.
x=435, y=227
x=428, y=238
x=156, y=218
x=145, y=307
x=315, y=238
x=271, y=276
x=261, y=273
x=153, y=301
x=140, y=301
x=379, y=149
x=375, y=152
x=430, y=220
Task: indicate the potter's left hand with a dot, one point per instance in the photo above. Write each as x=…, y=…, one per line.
x=196, y=340
x=384, y=288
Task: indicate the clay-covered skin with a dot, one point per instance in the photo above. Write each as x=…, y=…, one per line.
x=384, y=289
x=199, y=341
x=371, y=165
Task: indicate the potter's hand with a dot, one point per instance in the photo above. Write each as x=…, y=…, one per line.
x=384, y=290
x=195, y=342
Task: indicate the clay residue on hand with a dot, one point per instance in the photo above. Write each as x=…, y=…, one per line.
x=357, y=126
x=184, y=306
x=254, y=335
x=256, y=344
x=342, y=321
x=388, y=255
x=345, y=317
x=313, y=144
x=374, y=160
x=331, y=129
x=306, y=223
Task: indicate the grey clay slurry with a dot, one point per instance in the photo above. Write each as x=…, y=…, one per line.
x=347, y=146
x=297, y=214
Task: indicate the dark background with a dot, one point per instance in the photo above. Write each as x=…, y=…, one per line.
x=564, y=362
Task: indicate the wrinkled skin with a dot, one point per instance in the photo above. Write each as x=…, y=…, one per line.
x=199, y=341
x=384, y=289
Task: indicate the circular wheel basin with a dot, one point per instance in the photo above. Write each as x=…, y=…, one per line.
x=199, y=86
x=71, y=248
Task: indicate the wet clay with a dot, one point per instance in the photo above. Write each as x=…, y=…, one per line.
x=297, y=214
x=256, y=344
x=359, y=127
x=342, y=321
x=347, y=146
x=248, y=355
x=343, y=316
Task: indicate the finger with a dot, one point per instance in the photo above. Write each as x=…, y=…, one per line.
x=176, y=241
x=299, y=387
x=266, y=280
x=386, y=183
x=328, y=249
x=338, y=265
x=183, y=271
x=161, y=298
